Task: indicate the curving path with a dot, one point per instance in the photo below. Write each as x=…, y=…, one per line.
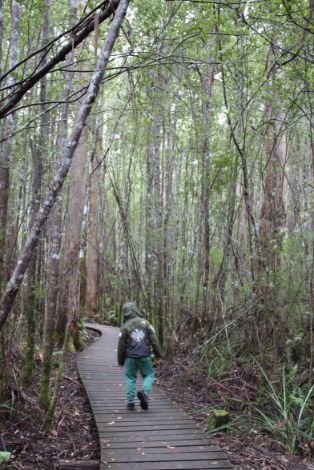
x=162, y=438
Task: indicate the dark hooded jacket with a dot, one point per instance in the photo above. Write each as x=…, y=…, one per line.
x=137, y=336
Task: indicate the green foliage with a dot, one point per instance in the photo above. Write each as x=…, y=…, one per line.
x=216, y=255
x=219, y=355
x=289, y=410
x=110, y=317
x=82, y=333
x=5, y=457
x=164, y=60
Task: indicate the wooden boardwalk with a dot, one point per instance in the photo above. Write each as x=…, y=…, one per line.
x=162, y=438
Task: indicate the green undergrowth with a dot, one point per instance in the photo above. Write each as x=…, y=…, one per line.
x=286, y=409
x=270, y=401
x=282, y=408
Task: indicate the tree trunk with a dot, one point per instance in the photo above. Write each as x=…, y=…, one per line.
x=72, y=240
x=7, y=147
x=38, y=150
x=272, y=211
x=207, y=83
x=30, y=304
x=5, y=162
x=169, y=153
x=149, y=228
x=271, y=221
x=93, y=223
x=1, y=37
x=51, y=304
x=55, y=247
x=158, y=264
x=69, y=300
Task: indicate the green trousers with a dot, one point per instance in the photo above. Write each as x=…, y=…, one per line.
x=145, y=366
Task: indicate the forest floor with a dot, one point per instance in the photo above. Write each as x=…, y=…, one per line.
x=74, y=436
x=233, y=391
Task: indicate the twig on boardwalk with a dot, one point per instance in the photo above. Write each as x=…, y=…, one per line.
x=71, y=380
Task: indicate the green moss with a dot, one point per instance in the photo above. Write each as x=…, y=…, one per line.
x=216, y=419
x=45, y=383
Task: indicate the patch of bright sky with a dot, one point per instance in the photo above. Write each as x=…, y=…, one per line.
x=246, y=10
x=222, y=117
x=130, y=14
x=189, y=16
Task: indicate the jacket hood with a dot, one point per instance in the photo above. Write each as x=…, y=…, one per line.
x=130, y=310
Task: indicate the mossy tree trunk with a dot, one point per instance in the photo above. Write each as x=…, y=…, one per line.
x=38, y=151
x=6, y=128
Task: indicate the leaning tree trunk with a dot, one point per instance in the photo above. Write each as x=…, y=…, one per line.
x=16, y=279
x=84, y=29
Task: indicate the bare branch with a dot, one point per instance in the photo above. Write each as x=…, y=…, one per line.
x=78, y=37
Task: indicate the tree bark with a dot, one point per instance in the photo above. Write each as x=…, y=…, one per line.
x=5, y=162
x=158, y=264
x=69, y=302
x=1, y=37
x=93, y=223
x=207, y=83
x=72, y=240
x=272, y=217
x=38, y=150
x=55, y=247
x=149, y=227
x=7, y=147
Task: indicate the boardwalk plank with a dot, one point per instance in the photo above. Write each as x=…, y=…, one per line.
x=176, y=443
x=120, y=457
x=162, y=438
x=197, y=464
x=144, y=435
x=183, y=445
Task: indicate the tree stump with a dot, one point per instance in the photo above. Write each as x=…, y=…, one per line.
x=216, y=419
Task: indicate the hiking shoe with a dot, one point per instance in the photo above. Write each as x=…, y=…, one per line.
x=130, y=406
x=143, y=399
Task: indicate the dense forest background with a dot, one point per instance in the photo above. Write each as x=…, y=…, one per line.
x=191, y=186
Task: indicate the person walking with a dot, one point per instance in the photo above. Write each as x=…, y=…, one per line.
x=137, y=338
